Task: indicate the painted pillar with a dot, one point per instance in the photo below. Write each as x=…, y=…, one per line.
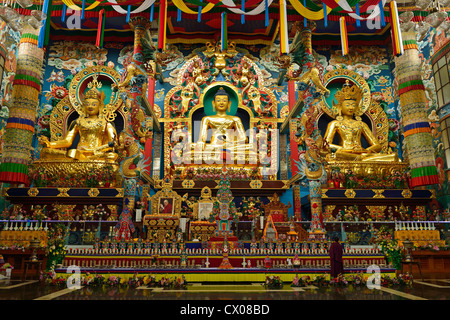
x=138, y=25
x=441, y=70
x=316, y=231
x=22, y=113
x=417, y=131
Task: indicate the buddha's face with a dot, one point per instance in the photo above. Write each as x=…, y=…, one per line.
x=221, y=103
x=348, y=107
x=92, y=107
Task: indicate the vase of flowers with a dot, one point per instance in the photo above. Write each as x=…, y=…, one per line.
x=8, y=269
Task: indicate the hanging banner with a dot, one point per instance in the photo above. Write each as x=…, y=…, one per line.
x=344, y=38
x=258, y=10
x=284, y=39
x=162, y=25
x=397, y=42
x=309, y=14
x=183, y=7
x=144, y=6
x=73, y=6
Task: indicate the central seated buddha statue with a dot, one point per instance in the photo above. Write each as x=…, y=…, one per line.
x=97, y=136
x=350, y=129
x=228, y=132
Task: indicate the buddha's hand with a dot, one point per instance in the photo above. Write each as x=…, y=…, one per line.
x=44, y=141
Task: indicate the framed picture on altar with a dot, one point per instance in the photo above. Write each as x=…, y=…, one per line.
x=165, y=206
x=204, y=210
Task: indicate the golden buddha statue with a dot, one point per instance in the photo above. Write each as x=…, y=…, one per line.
x=97, y=135
x=350, y=128
x=227, y=131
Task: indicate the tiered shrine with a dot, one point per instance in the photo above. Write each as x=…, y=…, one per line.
x=221, y=178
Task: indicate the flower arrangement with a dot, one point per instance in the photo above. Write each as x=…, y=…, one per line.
x=39, y=213
x=432, y=247
x=320, y=281
x=100, y=211
x=172, y=283
x=400, y=280
x=273, y=282
x=139, y=205
x=357, y=279
x=339, y=281
x=56, y=249
x=389, y=246
x=7, y=266
x=304, y=281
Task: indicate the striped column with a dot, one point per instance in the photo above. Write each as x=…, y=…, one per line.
x=22, y=114
x=316, y=231
x=416, y=128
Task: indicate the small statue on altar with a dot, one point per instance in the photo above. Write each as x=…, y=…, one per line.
x=225, y=264
x=97, y=244
x=279, y=246
x=297, y=246
x=97, y=135
x=253, y=245
x=125, y=227
x=296, y=262
x=349, y=128
x=267, y=262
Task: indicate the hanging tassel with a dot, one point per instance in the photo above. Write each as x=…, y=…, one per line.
x=266, y=13
x=178, y=15
x=152, y=8
x=344, y=39
x=43, y=31
x=83, y=6
x=383, y=20
x=199, y=17
x=325, y=15
x=64, y=11
x=224, y=32
x=284, y=40
x=162, y=25
x=358, y=23
x=128, y=13
x=305, y=22
x=100, y=29
x=395, y=29
x=243, y=9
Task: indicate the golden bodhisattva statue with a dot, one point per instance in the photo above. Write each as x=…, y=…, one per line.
x=351, y=128
x=227, y=131
x=97, y=135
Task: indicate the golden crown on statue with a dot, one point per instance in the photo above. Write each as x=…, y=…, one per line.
x=93, y=92
x=348, y=92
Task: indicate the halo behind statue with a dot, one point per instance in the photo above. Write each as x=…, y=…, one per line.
x=79, y=86
x=208, y=96
x=339, y=77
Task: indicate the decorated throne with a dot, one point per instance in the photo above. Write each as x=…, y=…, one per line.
x=276, y=216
